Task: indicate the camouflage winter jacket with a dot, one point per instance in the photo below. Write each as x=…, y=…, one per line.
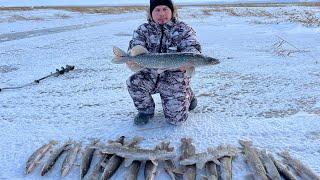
x=174, y=36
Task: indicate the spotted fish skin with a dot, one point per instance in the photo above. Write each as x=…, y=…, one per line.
x=143, y=59
x=254, y=160
x=54, y=157
x=138, y=154
x=87, y=158
x=35, y=158
x=70, y=159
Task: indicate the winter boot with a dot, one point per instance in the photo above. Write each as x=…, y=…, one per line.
x=193, y=104
x=142, y=118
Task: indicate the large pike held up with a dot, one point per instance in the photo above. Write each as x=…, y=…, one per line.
x=143, y=59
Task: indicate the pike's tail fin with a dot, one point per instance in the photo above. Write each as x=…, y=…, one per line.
x=119, y=55
x=118, y=52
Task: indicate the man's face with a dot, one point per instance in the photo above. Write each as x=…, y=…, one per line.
x=161, y=14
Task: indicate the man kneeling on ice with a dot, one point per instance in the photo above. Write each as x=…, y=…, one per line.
x=163, y=33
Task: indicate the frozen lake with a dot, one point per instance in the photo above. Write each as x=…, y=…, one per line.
x=266, y=88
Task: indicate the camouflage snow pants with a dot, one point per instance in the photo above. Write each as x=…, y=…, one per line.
x=174, y=90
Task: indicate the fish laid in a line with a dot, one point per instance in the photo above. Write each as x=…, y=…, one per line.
x=211, y=170
x=169, y=165
x=111, y=167
x=87, y=158
x=35, y=158
x=188, y=150
x=283, y=170
x=213, y=155
x=140, y=58
x=113, y=163
x=70, y=159
x=271, y=169
x=225, y=172
x=171, y=170
x=54, y=157
x=302, y=170
x=134, y=142
x=130, y=154
x=253, y=160
x=150, y=170
x=133, y=171
x=98, y=168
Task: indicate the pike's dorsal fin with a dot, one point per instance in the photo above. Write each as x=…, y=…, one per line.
x=138, y=50
x=127, y=162
x=118, y=52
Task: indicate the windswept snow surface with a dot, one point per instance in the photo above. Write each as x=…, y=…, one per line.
x=257, y=92
x=126, y=2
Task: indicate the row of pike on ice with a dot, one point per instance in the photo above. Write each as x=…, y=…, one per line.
x=262, y=164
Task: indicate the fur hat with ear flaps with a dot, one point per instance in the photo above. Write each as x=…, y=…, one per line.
x=155, y=3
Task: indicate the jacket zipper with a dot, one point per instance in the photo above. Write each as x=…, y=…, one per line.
x=162, y=32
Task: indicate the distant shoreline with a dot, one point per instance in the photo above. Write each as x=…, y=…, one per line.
x=141, y=7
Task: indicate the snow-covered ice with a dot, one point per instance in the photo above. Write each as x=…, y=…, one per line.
x=127, y=2
x=266, y=88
